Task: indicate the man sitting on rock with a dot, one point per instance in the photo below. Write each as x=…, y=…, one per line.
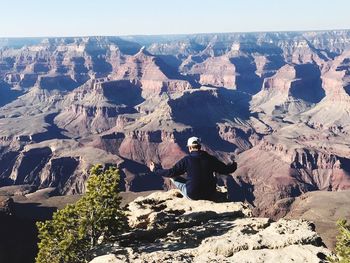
x=199, y=166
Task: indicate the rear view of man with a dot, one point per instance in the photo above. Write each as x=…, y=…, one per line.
x=199, y=166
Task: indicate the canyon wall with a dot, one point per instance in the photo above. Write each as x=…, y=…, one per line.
x=278, y=103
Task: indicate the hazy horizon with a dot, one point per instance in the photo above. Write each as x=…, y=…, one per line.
x=39, y=18
x=174, y=34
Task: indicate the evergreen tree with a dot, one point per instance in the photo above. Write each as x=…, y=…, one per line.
x=342, y=247
x=74, y=231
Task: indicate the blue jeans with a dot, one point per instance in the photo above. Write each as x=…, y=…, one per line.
x=180, y=185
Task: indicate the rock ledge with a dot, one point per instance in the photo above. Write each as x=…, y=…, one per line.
x=169, y=228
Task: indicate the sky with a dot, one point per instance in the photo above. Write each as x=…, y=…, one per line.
x=46, y=18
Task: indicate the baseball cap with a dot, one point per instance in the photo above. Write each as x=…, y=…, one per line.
x=193, y=141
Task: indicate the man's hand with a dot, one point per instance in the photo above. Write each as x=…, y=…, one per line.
x=152, y=166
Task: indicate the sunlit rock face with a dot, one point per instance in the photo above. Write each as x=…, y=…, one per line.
x=276, y=102
x=165, y=227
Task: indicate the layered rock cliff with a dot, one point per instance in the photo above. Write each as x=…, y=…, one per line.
x=276, y=102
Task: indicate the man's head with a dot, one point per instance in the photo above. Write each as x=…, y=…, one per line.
x=194, y=144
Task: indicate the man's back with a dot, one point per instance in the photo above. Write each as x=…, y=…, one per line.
x=199, y=166
x=201, y=183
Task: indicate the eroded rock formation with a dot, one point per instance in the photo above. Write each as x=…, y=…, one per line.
x=278, y=103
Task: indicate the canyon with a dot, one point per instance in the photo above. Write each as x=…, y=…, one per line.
x=277, y=102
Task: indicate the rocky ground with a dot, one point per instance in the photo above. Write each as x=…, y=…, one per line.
x=163, y=221
x=168, y=228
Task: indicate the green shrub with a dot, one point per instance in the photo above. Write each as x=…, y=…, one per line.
x=342, y=247
x=74, y=231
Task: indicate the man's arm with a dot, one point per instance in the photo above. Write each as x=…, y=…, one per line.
x=178, y=169
x=222, y=168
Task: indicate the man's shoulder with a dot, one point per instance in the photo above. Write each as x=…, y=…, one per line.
x=206, y=154
x=184, y=159
x=202, y=155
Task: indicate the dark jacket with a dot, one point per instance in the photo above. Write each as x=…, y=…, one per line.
x=199, y=166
